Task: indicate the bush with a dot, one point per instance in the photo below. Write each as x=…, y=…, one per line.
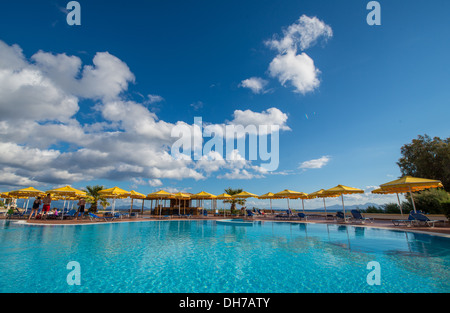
x=446, y=209
x=429, y=201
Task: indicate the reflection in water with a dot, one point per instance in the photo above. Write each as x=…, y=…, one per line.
x=202, y=256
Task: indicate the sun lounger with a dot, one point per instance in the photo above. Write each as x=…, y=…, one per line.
x=407, y=222
x=95, y=217
x=357, y=216
x=341, y=217
x=421, y=219
x=12, y=214
x=282, y=216
x=250, y=213
x=302, y=216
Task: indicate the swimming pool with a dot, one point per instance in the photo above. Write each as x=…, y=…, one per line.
x=203, y=256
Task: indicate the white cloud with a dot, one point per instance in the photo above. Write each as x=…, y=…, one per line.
x=298, y=69
x=197, y=105
x=316, y=163
x=301, y=35
x=270, y=117
x=47, y=144
x=291, y=66
x=255, y=84
x=154, y=99
x=155, y=182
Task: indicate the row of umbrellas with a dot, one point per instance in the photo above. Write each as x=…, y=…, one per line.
x=406, y=184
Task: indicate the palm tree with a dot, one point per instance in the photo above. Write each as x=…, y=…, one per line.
x=104, y=203
x=92, y=191
x=233, y=201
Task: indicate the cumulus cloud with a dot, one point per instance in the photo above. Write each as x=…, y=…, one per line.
x=255, y=84
x=45, y=143
x=301, y=35
x=316, y=163
x=291, y=64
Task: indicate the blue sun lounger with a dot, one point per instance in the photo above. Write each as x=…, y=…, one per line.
x=341, y=217
x=421, y=219
x=250, y=213
x=357, y=216
x=94, y=217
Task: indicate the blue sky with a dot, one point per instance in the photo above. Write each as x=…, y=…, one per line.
x=375, y=88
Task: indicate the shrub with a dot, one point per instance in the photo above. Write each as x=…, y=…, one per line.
x=446, y=209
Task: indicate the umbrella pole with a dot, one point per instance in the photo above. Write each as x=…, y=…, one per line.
x=412, y=199
x=131, y=207
x=325, y=207
x=303, y=205
x=142, y=211
x=399, y=204
x=343, y=207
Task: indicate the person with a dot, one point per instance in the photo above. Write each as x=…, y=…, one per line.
x=37, y=202
x=81, y=204
x=46, y=207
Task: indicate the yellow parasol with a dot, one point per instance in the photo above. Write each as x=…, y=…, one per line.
x=159, y=195
x=342, y=190
x=244, y=195
x=270, y=196
x=321, y=194
x=224, y=196
x=136, y=195
x=410, y=184
x=26, y=193
x=289, y=194
x=182, y=196
x=114, y=193
x=387, y=191
x=202, y=196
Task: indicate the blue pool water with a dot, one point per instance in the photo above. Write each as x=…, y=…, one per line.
x=202, y=256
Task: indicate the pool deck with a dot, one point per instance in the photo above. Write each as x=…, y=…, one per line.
x=440, y=229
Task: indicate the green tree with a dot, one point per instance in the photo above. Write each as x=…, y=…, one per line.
x=428, y=201
x=373, y=209
x=391, y=208
x=234, y=202
x=92, y=192
x=427, y=158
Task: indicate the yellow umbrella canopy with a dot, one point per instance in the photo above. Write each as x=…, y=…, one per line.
x=270, y=196
x=322, y=194
x=224, y=196
x=114, y=193
x=381, y=191
x=26, y=192
x=66, y=191
x=136, y=195
x=289, y=194
x=203, y=195
x=181, y=196
x=159, y=195
x=342, y=190
x=410, y=184
x=245, y=194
